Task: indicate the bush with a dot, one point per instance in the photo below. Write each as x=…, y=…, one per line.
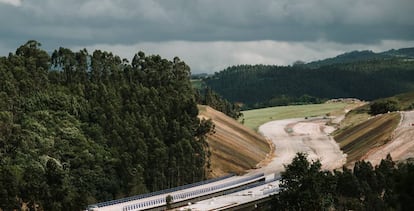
x=385, y=106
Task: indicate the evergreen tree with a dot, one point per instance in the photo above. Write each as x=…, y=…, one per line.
x=78, y=128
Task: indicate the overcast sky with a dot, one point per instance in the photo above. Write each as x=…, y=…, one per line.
x=210, y=35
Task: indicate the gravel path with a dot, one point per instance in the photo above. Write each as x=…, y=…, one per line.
x=299, y=135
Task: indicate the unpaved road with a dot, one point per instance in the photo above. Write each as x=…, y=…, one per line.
x=299, y=135
x=401, y=146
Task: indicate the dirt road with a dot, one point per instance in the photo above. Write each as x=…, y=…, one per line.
x=299, y=135
x=401, y=145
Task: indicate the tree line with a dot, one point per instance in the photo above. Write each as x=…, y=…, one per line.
x=270, y=85
x=77, y=128
x=207, y=96
x=388, y=186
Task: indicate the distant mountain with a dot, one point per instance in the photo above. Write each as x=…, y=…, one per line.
x=357, y=56
x=402, y=53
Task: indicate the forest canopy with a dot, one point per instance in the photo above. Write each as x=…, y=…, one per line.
x=305, y=186
x=270, y=85
x=78, y=127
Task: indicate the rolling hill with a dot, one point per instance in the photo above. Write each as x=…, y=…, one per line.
x=358, y=56
x=363, y=75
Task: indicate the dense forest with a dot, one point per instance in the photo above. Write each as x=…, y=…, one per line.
x=207, y=96
x=77, y=128
x=360, y=56
x=269, y=85
x=388, y=186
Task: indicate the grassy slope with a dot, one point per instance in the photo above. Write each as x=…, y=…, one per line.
x=404, y=100
x=254, y=118
x=356, y=140
x=234, y=148
x=354, y=117
x=359, y=133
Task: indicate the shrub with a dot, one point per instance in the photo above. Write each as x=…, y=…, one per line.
x=384, y=106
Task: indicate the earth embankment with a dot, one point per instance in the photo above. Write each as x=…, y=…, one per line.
x=234, y=148
x=358, y=140
x=401, y=144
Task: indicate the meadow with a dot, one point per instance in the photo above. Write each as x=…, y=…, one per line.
x=254, y=118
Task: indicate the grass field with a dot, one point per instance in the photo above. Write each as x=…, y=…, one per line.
x=405, y=100
x=198, y=83
x=354, y=117
x=254, y=118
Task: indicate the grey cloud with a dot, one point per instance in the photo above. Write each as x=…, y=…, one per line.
x=15, y=3
x=213, y=56
x=86, y=22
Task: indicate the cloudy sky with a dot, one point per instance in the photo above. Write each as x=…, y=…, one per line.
x=210, y=35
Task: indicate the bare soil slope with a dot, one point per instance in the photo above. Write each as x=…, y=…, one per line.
x=401, y=146
x=234, y=147
x=356, y=141
x=373, y=139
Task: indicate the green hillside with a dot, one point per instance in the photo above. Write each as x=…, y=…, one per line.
x=358, y=56
x=79, y=128
x=267, y=85
x=405, y=101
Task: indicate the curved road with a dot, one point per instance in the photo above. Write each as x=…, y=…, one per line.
x=301, y=135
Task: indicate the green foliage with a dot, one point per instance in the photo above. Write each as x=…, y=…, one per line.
x=405, y=101
x=214, y=100
x=169, y=200
x=267, y=85
x=77, y=128
x=304, y=186
x=385, y=187
x=405, y=187
x=360, y=56
x=383, y=106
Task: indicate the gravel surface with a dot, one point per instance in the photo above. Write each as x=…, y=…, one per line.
x=310, y=136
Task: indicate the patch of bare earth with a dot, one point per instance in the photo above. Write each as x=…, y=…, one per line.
x=401, y=146
x=356, y=141
x=310, y=136
x=234, y=148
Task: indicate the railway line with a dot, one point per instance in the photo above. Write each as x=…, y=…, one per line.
x=188, y=193
x=289, y=136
